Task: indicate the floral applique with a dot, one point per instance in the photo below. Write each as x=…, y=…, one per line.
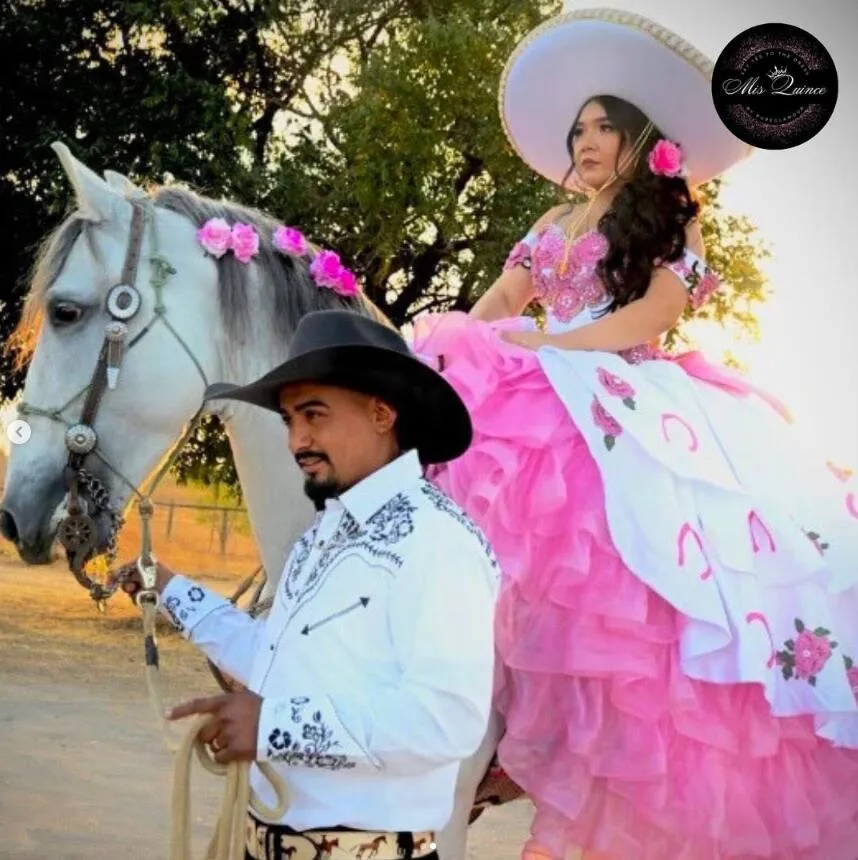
x=617, y=387
x=804, y=657
x=313, y=746
x=817, y=541
x=699, y=279
x=519, y=256
x=609, y=426
x=851, y=675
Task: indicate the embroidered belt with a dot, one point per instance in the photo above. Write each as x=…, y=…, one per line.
x=275, y=842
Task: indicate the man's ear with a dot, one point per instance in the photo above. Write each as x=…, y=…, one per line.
x=383, y=415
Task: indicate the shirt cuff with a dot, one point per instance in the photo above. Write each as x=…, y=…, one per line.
x=186, y=603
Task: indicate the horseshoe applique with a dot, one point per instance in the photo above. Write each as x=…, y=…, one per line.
x=754, y=520
x=684, y=533
x=852, y=505
x=692, y=436
x=750, y=618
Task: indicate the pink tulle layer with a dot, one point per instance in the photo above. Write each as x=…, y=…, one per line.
x=621, y=753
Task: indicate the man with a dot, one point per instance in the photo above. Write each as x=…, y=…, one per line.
x=371, y=679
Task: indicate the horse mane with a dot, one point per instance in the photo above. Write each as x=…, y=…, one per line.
x=281, y=281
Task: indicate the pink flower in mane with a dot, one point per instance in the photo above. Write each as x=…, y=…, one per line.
x=347, y=284
x=291, y=241
x=215, y=236
x=326, y=269
x=245, y=242
x=665, y=159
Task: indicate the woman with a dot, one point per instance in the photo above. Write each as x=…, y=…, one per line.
x=679, y=616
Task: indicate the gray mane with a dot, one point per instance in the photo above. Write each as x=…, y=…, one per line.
x=286, y=283
x=281, y=282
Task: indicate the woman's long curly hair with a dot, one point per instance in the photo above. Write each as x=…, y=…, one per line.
x=647, y=218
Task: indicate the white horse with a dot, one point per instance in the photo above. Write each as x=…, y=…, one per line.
x=189, y=321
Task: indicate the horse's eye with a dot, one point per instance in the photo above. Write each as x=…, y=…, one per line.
x=65, y=313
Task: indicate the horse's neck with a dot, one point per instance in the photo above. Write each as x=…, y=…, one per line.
x=271, y=482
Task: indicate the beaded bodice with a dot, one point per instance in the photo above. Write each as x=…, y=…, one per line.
x=569, y=289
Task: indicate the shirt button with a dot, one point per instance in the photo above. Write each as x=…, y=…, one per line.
x=270, y=647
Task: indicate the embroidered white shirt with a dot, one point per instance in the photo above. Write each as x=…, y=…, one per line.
x=375, y=664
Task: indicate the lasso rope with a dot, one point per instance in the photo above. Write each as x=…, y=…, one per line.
x=228, y=840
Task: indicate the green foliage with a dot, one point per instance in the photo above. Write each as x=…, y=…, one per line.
x=373, y=126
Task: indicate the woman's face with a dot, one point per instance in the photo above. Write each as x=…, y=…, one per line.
x=597, y=146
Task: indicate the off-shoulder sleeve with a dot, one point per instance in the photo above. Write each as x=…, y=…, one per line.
x=696, y=276
x=521, y=253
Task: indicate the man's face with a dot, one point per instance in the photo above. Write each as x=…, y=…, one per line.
x=337, y=436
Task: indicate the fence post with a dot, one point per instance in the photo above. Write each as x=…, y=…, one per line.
x=171, y=509
x=224, y=531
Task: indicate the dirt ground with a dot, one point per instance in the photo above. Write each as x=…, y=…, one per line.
x=84, y=774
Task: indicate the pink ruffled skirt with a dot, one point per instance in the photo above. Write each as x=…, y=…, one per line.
x=621, y=752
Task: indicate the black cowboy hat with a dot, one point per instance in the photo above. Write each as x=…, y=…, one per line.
x=352, y=351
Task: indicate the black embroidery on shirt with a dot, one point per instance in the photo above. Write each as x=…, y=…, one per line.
x=443, y=503
x=311, y=746
x=195, y=594
x=171, y=605
x=386, y=527
x=392, y=522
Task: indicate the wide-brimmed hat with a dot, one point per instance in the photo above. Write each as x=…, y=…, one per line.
x=352, y=351
x=582, y=53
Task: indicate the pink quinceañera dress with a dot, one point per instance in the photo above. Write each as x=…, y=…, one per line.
x=678, y=625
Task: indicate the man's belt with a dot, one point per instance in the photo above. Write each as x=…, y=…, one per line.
x=274, y=842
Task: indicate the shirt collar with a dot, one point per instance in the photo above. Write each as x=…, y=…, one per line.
x=367, y=496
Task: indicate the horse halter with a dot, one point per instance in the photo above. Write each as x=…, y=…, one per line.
x=77, y=530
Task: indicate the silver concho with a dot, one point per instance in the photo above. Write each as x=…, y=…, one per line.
x=123, y=301
x=80, y=439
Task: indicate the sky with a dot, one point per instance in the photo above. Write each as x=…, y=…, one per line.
x=803, y=201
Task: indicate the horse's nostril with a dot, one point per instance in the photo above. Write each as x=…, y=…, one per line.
x=8, y=526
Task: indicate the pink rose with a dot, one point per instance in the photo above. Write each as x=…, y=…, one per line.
x=604, y=421
x=811, y=654
x=614, y=385
x=215, y=236
x=852, y=676
x=245, y=242
x=326, y=269
x=665, y=158
x=290, y=241
x=347, y=284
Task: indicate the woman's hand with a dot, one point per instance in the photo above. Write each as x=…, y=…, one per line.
x=527, y=339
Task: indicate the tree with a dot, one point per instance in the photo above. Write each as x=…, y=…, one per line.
x=372, y=126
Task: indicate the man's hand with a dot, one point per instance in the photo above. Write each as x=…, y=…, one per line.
x=233, y=730
x=132, y=581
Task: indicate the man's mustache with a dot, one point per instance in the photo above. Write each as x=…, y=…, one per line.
x=301, y=458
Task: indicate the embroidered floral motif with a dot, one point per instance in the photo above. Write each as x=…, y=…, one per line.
x=313, y=748
x=384, y=529
x=617, y=387
x=171, y=605
x=195, y=594
x=641, y=353
x=392, y=522
x=443, y=503
x=606, y=423
x=805, y=657
x=699, y=279
x=852, y=675
x=519, y=256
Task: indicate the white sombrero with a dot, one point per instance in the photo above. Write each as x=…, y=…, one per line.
x=587, y=52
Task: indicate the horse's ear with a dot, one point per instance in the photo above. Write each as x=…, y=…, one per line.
x=95, y=198
x=123, y=185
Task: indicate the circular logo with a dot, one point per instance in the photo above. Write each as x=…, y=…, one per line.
x=774, y=86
